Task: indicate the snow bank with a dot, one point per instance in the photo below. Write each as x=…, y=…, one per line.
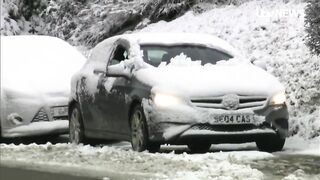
x=298, y=145
x=107, y=160
x=270, y=31
x=228, y=165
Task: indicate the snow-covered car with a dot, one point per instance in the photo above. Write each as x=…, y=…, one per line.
x=192, y=89
x=35, y=84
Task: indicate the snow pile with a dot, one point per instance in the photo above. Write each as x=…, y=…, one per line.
x=107, y=160
x=160, y=166
x=298, y=145
x=183, y=60
x=270, y=31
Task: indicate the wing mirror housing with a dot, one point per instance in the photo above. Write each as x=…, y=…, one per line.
x=99, y=71
x=118, y=70
x=260, y=63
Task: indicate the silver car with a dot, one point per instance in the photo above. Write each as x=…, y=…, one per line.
x=35, y=84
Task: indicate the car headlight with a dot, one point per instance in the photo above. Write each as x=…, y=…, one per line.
x=164, y=100
x=278, y=99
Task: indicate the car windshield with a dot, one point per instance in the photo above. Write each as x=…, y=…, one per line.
x=155, y=54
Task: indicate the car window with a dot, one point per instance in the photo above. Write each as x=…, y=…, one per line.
x=155, y=54
x=119, y=55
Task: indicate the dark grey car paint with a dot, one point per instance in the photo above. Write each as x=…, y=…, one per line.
x=106, y=116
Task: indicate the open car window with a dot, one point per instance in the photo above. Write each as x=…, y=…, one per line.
x=120, y=54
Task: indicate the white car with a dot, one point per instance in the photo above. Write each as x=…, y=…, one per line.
x=35, y=84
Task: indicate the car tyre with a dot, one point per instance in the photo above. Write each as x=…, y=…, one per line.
x=76, y=129
x=139, y=132
x=199, y=147
x=270, y=144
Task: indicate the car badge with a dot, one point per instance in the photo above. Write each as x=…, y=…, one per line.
x=231, y=101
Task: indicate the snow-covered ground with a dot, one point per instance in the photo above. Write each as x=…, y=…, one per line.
x=223, y=162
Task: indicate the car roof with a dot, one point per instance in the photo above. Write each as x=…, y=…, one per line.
x=31, y=60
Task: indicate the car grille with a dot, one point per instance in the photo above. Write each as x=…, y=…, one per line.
x=41, y=116
x=217, y=102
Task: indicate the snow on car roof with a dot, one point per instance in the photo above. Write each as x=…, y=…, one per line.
x=38, y=63
x=181, y=38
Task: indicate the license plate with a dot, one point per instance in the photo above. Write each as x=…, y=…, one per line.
x=59, y=111
x=233, y=119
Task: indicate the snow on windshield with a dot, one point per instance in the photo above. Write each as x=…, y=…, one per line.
x=38, y=63
x=182, y=60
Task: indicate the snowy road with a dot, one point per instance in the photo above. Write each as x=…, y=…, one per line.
x=15, y=173
x=116, y=160
x=275, y=168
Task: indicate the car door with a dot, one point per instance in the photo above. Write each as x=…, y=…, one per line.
x=110, y=97
x=88, y=89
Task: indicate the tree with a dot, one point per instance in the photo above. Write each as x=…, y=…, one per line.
x=312, y=25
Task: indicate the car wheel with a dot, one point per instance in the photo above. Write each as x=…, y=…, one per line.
x=199, y=147
x=76, y=131
x=139, y=132
x=270, y=144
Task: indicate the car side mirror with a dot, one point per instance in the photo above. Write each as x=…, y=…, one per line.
x=99, y=71
x=260, y=63
x=118, y=70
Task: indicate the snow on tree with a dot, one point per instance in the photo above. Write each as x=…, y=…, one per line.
x=9, y=18
x=312, y=25
x=88, y=23
x=21, y=16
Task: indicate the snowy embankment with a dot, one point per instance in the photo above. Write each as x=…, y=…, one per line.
x=121, y=161
x=113, y=159
x=272, y=31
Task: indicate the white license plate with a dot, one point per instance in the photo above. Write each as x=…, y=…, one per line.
x=233, y=119
x=59, y=111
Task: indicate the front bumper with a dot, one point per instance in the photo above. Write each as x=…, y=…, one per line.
x=37, y=128
x=186, y=123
